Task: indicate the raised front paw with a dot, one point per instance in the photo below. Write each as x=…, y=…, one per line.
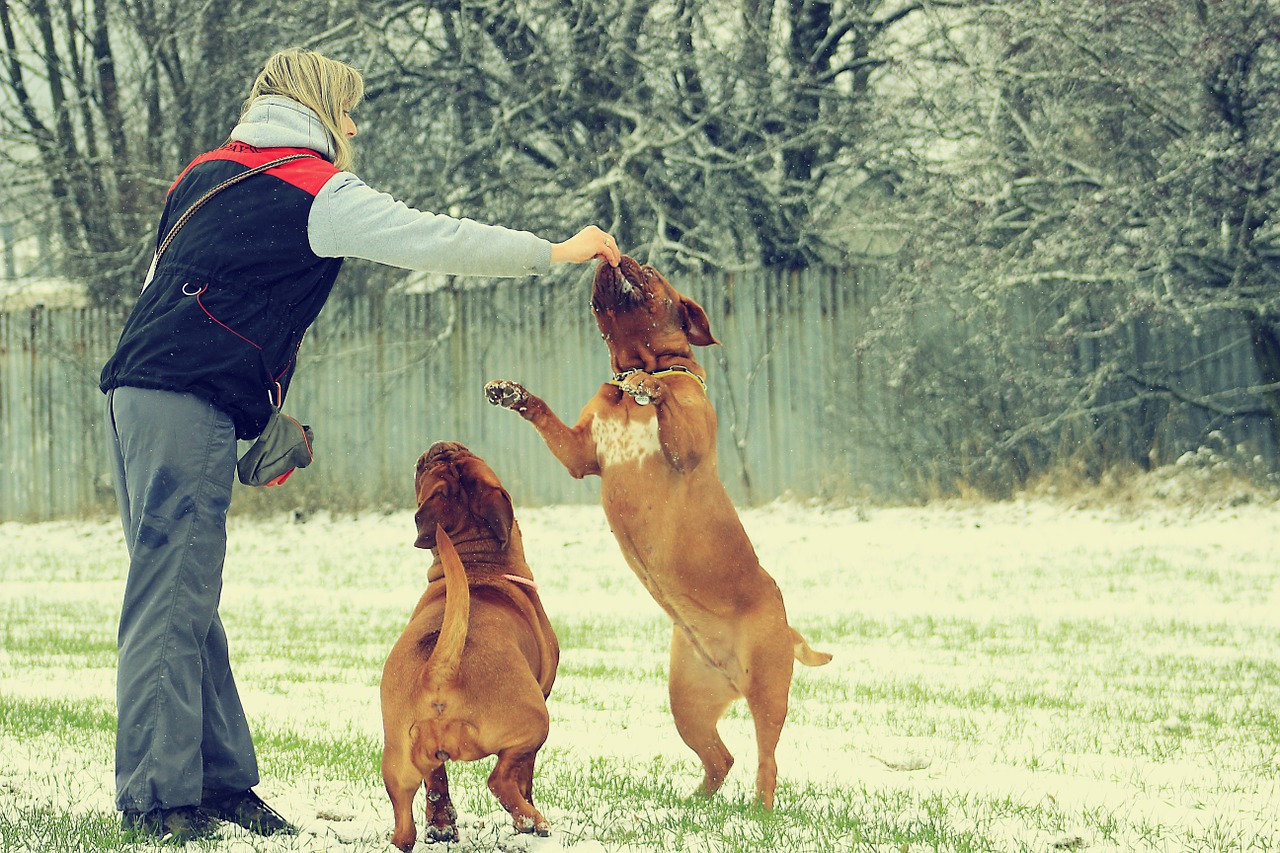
x=507, y=394
x=642, y=387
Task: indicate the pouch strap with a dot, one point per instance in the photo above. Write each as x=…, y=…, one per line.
x=200, y=202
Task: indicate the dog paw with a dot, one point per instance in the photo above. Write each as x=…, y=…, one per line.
x=642, y=387
x=441, y=834
x=507, y=394
x=532, y=824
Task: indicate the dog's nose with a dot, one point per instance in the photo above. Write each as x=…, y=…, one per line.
x=614, y=288
x=621, y=282
x=443, y=448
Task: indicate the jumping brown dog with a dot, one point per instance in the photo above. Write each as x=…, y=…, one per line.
x=650, y=434
x=439, y=704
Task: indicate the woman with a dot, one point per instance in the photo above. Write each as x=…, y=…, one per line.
x=204, y=354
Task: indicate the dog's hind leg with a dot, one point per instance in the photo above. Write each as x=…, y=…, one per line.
x=402, y=781
x=511, y=782
x=700, y=694
x=767, y=700
x=442, y=818
x=525, y=777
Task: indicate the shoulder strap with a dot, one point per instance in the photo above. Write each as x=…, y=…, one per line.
x=200, y=202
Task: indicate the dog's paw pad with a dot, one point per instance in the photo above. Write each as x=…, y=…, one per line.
x=506, y=394
x=643, y=389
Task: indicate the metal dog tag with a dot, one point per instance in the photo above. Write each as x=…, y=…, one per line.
x=642, y=399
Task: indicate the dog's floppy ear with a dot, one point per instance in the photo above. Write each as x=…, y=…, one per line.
x=493, y=505
x=426, y=529
x=696, y=325
x=426, y=519
x=426, y=533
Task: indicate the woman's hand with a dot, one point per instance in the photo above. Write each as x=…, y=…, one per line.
x=589, y=243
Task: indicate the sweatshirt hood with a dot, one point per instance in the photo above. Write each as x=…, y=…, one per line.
x=273, y=121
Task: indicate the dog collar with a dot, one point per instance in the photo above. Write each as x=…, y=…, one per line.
x=522, y=581
x=516, y=579
x=675, y=368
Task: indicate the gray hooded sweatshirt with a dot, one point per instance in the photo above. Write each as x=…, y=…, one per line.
x=350, y=219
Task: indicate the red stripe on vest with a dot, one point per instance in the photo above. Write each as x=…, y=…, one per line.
x=308, y=175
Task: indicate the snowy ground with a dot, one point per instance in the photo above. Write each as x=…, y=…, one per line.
x=1047, y=676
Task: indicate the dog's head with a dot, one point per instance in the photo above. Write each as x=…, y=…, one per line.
x=641, y=316
x=459, y=492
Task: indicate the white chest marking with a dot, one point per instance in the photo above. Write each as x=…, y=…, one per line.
x=619, y=441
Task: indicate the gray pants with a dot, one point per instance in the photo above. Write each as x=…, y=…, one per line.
x=181, y=727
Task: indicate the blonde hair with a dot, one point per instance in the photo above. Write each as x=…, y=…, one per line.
x=329, y=87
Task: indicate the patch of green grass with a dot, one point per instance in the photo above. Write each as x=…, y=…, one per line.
x=344, y=755
x=623, y=635
x=72, y=720
x=40, y=632
x=52, y=830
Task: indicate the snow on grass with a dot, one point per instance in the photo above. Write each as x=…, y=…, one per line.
x=1018, y=676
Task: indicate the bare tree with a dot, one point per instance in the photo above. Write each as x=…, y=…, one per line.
x=1092, y=185
x=705, y=134
x=104, y=101
x=712, y=135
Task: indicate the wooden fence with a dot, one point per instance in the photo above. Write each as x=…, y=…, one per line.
x=381, y=377
x=801, y=411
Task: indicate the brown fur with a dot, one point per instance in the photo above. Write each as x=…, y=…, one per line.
x=470, y=674
x=651, y=439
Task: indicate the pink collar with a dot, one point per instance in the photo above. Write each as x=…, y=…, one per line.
x=522, y=581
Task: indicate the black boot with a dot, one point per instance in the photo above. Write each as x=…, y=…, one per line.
x=246, y=809
x=170, y=826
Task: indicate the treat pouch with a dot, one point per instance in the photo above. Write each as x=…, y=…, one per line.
x=285, y=444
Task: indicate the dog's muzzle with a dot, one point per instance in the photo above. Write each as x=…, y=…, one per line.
x=444, y=451
x=614, y=288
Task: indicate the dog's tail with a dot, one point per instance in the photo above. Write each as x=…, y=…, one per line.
x=442, y=666
x=805, y=653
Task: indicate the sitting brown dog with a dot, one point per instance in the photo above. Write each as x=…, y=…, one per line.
x=650, y=434
x=440, y=703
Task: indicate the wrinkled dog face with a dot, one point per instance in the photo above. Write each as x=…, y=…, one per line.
x=639, y=313
x=458, y=491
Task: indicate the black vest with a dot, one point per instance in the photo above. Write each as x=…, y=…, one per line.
x=226, y=309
